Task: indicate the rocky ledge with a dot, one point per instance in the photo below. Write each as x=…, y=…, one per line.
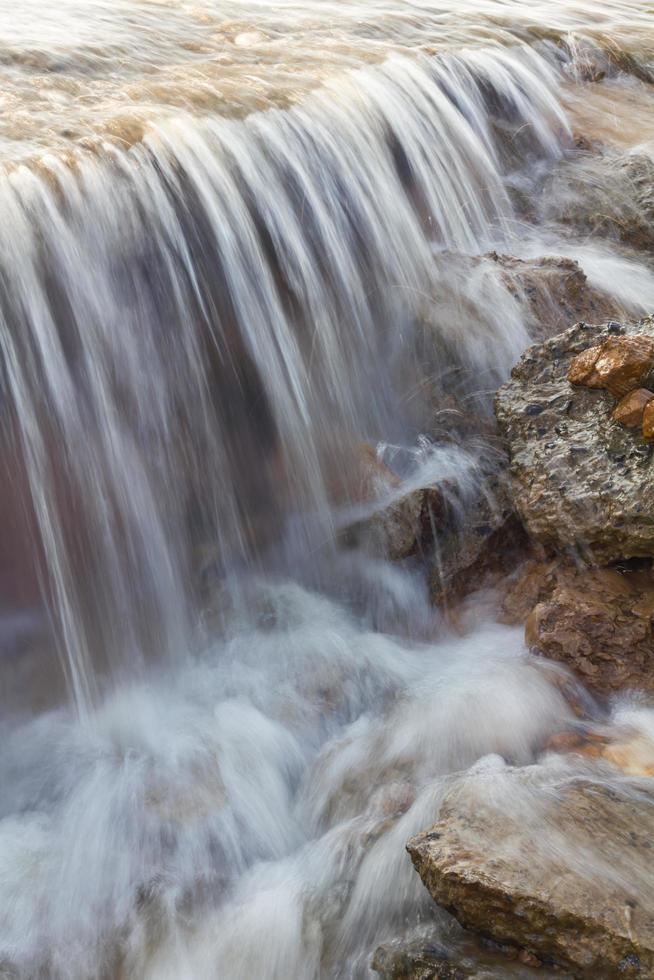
x=554, y=860
x=558, y=866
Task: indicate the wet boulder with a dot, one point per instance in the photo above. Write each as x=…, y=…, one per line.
x=462, y=960
x=554, y=291
x=558, y=866
x=580, y=481
x=597, y=621
x=472, y=540
x=378, y=513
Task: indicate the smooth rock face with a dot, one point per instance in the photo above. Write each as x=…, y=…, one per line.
x=580, y=481
x=618, y=365
x=560, y=867
x=596, y=621
x=630, y=410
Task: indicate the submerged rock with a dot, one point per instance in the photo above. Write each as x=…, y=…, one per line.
x=386, y=518
x=612, y=196
x=467, y=546
x=560, y=868
x=423, y=960
x=581, y=482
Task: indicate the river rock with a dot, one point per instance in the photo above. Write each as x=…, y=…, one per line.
x=468, y=544
x=581, y=482
x=558, y=866
x=381, y=516
x=648, y=422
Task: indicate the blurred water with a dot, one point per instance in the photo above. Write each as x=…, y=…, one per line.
x=205, y=310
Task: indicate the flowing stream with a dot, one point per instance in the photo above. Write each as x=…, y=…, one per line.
x=238, y=242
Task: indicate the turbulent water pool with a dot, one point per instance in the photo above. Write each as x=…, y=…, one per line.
x=238, y=242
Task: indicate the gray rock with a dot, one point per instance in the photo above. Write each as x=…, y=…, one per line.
x=580, y=481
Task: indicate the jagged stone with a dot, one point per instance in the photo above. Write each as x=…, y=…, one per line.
x=556, y=292
x=618, y=364
x=581, y=483
x=611, y=196
x=468, y=960
x=648, y=423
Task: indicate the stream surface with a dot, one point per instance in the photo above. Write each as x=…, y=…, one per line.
x=237, y=242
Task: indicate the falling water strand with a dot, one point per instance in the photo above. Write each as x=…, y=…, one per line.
x=225, y=298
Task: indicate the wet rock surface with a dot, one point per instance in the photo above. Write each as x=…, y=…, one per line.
x=599, y=622
x=558, y=866
x=618, y=364
x=611, y=197
x=556, y=291
x=424, y=960
x=464, y=556
x=385, y=517
x=581, y=482
x=630, y=410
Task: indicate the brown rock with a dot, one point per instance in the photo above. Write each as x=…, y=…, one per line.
x=630, y=751
x=382, y=517
x=470, y=546
x=629, y=410
x=532, y=585
x=597, y=621
x=559, y=867
x=554, y=292
x=618, y=365
x=648, y=422
x=582, y=366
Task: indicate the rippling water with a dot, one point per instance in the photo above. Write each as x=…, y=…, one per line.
x=75, y=72
x=220, y=723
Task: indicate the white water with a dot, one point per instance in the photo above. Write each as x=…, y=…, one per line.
x=197, y=334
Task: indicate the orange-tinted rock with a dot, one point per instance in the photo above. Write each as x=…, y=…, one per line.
x=582, y=366
x=599, y=623
x=618, y=365
x=630, y=751
x=629, y=410
x=648, y=421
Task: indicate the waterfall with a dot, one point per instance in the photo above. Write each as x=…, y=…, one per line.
x=197, y=330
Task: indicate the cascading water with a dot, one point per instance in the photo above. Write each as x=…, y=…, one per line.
x=197, y=335
x=248, y=290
